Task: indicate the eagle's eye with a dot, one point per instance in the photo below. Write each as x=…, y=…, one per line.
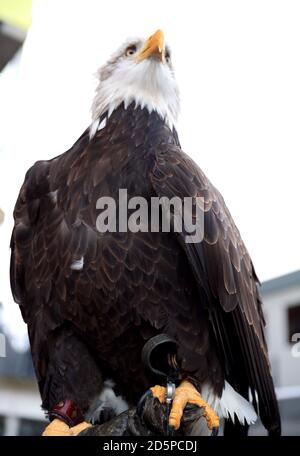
x=167, y=56
x=130, y=50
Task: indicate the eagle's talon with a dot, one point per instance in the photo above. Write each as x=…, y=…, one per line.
x=160, y=392
x=184, y=394
x=187, y=393
x=58, y=428
x=171, y=430
x=215, y=431
x=213, y=421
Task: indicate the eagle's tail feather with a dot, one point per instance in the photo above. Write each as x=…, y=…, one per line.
x=230, y=405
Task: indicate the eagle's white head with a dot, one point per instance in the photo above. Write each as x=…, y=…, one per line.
x=140, y=71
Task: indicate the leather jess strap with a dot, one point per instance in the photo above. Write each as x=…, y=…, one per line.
x=67, y=411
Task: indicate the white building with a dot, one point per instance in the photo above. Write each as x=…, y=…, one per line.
x=20, y=411
x=281, y=305
x=281, y=298
x=20, y=402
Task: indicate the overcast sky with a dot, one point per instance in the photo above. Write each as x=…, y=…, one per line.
x=238, y=68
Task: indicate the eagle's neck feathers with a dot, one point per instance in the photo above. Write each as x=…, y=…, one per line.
x=147, y=85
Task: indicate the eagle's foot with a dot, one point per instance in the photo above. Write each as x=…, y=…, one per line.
x=160, y=392
x=185, y=394
x=75, y=430
x=60, y=428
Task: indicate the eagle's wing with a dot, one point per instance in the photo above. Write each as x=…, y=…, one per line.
x=33, y=233
x=38, y=281
x=227, y=282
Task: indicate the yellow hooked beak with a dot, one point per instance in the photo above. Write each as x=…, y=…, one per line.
x=154, y=47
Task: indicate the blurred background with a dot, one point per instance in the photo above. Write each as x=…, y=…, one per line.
x=238, y=68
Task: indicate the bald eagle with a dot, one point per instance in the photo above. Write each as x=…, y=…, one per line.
x=92, y=298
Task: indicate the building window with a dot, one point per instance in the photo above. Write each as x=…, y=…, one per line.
x=293, y=321
x=1, y=425
x=31, y=427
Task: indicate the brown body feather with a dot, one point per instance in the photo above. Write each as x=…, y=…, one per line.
x=88, y=324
